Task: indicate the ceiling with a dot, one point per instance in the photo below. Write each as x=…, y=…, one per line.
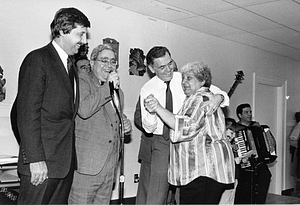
x=268, y=25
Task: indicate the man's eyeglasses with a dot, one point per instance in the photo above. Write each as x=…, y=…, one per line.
x=106, y=62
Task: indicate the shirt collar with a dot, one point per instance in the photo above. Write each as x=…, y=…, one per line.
x=161, y=82
x=62, y=54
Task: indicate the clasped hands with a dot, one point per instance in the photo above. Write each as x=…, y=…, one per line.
x=151, y=104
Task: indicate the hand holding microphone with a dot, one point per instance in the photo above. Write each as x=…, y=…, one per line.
x=126, y=125
x=114, y=80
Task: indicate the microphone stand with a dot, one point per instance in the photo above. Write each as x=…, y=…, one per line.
x=122, y=134
x=122, y=176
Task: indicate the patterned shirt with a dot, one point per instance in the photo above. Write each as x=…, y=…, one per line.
x=199, y=146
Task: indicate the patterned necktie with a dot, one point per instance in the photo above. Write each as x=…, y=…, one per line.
x=71, y=72
x=169, y=106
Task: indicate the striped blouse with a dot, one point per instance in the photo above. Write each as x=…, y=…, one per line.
x=199, y=146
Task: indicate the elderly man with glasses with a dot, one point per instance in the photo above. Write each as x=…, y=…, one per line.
x=97, y=129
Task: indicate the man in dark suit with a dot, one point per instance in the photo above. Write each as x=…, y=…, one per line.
x=46, y=108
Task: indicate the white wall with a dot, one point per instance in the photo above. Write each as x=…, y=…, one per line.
x=25, y=25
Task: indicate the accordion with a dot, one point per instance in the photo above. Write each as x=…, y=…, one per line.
x=258, y=141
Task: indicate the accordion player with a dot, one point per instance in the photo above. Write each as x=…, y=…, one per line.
x=256, y=142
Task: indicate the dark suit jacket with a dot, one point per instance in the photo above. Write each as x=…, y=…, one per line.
x=46, y=113
x=97, y=125
x=145, y=151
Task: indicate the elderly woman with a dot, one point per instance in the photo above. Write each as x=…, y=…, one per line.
x=201, y=159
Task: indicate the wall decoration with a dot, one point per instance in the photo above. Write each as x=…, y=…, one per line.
x=2, y=83
x=136, y=62
x=115, y=45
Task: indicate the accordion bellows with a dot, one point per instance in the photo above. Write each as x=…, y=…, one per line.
x=259, y=142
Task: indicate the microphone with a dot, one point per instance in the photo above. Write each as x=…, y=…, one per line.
x=115, y=97
x=111, y=87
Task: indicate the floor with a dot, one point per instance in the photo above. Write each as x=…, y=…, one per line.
x=271, y=199
x=6, y=198
x=280, y=199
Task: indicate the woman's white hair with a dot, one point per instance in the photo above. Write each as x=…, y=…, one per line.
x=200, y=70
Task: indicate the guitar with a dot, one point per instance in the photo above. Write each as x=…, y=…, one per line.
x=239, y=77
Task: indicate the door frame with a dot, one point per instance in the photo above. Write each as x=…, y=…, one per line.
x=281, y=93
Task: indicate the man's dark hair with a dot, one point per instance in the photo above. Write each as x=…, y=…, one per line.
x=67, y=19
x=82, y=57
x=156, y=52
x=230, y=123
x=240, y=108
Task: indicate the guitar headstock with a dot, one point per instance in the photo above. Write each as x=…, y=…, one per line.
x=239, y=76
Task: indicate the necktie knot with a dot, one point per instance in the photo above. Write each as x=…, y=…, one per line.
x=168, y=84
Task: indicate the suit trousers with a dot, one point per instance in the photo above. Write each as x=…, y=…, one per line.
x=51, y=191
x=95, y=189
x=153, y=185
x=253, y=185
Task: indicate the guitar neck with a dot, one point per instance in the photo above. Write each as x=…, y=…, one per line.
x=238, y=79
x=232, y=89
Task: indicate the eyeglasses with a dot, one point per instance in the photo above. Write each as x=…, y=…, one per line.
x=106, y=62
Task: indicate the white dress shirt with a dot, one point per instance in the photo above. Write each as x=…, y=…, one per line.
x=64, y=58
